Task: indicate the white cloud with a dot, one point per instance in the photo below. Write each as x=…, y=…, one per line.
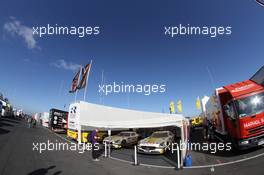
x=14, y=27
x=62, y=64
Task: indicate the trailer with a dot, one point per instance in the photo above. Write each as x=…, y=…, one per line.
x=3, y=108
x=58, y=120
x=44, y=119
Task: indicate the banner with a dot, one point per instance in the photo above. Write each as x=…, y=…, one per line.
x=198, y=103
x=172, y=109
x=179, y=106
x=85, y=72
x=75, y=82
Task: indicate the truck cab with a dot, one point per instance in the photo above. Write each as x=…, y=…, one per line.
x=244, y=114
x=236, y=113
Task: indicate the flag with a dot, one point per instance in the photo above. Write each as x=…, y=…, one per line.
x=172, y=109
x=198, y=103
x=260, y=2
x=75, y=82
x=179, y=106
x=85, y=72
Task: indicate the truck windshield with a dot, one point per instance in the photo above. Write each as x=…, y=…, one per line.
x=250, y=105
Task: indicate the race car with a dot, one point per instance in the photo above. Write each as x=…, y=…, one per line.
x=156, y=143
x=122, y=139
x=196, y=122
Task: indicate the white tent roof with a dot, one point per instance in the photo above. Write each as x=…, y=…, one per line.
x=83, y=114
x=100, y=116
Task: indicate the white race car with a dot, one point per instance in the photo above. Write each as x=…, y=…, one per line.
x=156, y=143
x=122, y=139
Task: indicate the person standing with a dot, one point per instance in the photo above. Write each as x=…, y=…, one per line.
x=92, y=137
x=34, y=123
x=29, y=122
x=205, y=125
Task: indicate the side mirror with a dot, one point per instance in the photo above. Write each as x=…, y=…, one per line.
x=227, y=110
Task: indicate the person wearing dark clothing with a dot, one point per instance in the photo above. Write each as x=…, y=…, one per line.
x=34, y=123
x=205, y=124
x=93, y=139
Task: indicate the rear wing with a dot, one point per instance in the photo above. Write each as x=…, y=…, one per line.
x=258, y=77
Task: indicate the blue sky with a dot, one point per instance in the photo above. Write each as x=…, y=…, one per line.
x=131, y=48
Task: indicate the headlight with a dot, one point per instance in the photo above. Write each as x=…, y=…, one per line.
x=244, y=142
x=162, y=144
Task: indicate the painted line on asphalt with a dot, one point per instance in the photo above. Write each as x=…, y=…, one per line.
x=121, y=160
x=157, y=166
x=193, y=167
x=226, y=163
x=142, y=164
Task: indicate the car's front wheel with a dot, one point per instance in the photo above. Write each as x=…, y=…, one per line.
x=123, y=143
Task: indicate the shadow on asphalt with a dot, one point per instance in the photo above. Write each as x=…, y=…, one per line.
x=5, y=124
x=44, y=171
x=3, y=131
x=11, y=120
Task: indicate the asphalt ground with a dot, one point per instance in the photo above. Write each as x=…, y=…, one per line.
x=17, y=157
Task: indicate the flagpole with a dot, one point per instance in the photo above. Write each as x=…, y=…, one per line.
x=87, y=78
x=76, y=92
x=102, y=81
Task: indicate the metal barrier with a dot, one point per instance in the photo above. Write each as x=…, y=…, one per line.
x=107, y=149
x=135, y=156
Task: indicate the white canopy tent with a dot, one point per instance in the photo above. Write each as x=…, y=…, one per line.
x=108, y=118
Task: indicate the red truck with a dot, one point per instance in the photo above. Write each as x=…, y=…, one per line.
x=235, y=112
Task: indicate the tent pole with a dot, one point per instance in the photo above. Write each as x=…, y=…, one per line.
x=79, y=128
x=135, y=156
x=105, y=144
x=79, y=134
x=109, y=145
x=182, y=142
x=178, y=157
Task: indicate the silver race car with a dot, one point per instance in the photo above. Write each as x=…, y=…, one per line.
x=122, y=139
x=156, y=143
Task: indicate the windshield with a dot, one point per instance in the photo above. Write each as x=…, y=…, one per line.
x=159, y=135
x=250, y=105
x=124, y=134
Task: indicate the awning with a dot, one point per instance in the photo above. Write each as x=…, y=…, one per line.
x=100, y=116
